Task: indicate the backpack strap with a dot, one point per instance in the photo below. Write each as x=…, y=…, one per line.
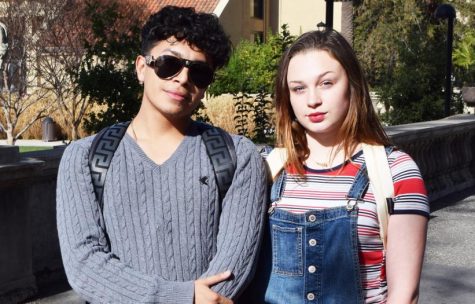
x=276, y=160
x=101, y=153
x=219, y=147
x=221, y=151
x=379, y=173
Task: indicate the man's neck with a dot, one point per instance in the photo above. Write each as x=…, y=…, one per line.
x=156, y=135
x=154, y=125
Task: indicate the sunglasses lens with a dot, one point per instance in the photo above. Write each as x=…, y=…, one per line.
x=201, y=75
x=168, y=66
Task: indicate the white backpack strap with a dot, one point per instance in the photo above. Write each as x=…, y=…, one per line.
x=381, y=181
x=276, y=161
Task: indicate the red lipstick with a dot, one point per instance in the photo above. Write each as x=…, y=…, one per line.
x=316, y=117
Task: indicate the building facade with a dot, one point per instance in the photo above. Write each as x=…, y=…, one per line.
x=254, y=19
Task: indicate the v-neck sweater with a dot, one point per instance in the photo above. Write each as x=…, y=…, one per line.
x=162, y=226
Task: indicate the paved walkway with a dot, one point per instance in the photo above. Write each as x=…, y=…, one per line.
x=448, y=276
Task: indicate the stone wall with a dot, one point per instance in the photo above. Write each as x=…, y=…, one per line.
x=47, y=263
x=444, y=151
x=29, y=252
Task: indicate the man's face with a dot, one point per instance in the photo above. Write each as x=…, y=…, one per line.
x=183, y=73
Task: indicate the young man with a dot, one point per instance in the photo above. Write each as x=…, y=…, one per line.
x=164, y=235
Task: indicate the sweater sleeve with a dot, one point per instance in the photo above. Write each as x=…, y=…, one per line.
x=241, y=222
x=93, y=271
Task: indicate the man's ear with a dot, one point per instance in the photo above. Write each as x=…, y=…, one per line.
x=140, y=66
x=201, y=94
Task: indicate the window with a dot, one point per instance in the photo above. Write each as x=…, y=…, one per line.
x=258, y=9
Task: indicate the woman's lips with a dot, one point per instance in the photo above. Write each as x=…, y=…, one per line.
x=316, y=117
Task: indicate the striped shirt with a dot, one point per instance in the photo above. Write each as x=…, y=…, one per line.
x=328, y=188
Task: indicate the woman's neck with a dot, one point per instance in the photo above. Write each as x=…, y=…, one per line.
x=325, y=152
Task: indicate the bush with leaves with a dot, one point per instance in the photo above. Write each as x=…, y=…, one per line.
x=254, y=63
x=261, y=110
x=464, y=58
x=251, y=72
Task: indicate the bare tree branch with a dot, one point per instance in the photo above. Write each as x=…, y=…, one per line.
x=19, y=92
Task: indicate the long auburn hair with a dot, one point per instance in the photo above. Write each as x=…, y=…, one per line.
x=361, y=124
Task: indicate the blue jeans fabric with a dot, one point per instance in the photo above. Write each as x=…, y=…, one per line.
x=311, y=257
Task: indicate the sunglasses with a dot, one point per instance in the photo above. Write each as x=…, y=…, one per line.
x=167, y=66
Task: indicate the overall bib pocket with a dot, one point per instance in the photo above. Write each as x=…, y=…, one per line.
x=287, y=255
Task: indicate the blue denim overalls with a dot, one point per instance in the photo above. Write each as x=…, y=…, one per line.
x=314, y=254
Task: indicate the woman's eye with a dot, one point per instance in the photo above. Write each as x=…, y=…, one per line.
x=326, y=83
x=297, y=89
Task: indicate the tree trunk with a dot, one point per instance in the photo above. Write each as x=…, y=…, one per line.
x=347, y=20
x=74, y=132
x=10, y=138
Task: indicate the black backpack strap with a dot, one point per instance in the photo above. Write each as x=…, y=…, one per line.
x=219, y=146
x=221, y=151
x=102, y=150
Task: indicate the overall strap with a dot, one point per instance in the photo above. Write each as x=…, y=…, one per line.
x=278, y=187
x=389, y=150
x=101, y=153
x=221, y=151
x=360, y=185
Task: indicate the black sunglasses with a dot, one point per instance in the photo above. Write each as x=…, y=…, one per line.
x=166, y=66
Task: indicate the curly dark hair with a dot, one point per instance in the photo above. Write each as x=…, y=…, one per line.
x=201, y=30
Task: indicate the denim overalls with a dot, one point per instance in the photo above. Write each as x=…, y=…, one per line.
x=311, y=257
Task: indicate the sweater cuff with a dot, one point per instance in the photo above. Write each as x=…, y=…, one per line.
x=177, y=292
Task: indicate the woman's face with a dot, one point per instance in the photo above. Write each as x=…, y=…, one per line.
x=319, y=92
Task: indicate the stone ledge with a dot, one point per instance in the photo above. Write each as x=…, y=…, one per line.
x=9, y=154
x=25, y=169
x=444, y=151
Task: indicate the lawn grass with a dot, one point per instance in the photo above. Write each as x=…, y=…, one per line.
x=24, y=149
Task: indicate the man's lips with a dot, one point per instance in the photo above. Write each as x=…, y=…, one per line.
x=316, y=117
x=176, y=95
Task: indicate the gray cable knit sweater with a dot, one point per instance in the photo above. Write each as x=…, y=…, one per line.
x=164, y=223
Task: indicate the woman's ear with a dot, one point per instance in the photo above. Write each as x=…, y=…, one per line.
x=140, y=66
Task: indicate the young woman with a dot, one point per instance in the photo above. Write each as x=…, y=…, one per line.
x=324, y=238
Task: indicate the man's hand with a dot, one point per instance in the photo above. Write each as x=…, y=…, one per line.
x=204, y=294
